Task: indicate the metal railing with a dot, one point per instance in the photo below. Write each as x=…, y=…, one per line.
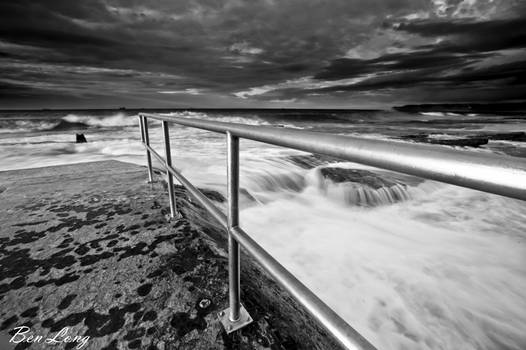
x=491, y=173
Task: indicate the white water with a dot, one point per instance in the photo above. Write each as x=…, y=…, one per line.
x=446, y=270
x=118, y=119
x=416, y=266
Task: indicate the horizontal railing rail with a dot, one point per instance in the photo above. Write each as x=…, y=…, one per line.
x=491, y=173
x=499, y=174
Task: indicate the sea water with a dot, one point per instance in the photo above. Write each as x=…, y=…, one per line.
x=410, y=263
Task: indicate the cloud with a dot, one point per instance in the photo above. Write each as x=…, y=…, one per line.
x=479, y=59
x=303, y=83
x=290, y=100
x=255, y=91
x=470, y=80
x=481, y=9
x=244, y=48
x=236, y=51
x=185, y=91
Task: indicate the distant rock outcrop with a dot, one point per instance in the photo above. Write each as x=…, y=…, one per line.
x=508, y=136
x=470, y=141
x=484, y=108
x=80, y=138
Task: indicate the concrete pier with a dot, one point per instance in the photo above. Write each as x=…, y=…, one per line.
x=88, y=248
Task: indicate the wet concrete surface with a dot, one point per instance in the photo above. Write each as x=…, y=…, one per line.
x=89, y=248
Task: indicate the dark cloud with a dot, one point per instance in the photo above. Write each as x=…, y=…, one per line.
x=504, y=75
x=242, y=53
x=469, y=36
x=477, y=59
x=427, y=63
x=497, y=82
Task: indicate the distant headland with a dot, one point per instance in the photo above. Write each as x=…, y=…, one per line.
x=482, y=108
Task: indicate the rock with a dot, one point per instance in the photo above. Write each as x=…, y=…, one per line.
x=246, y=197
x=213, y=195
x=310, y=161
x=470, y=141
x=508, y=136
x=364, y=177
x=363, y=188
x=80, y=138
x=467, y=142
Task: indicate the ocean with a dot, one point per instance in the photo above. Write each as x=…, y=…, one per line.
x=410, y=263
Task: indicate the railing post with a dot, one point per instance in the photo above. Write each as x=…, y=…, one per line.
x=235, y=317
x=233, y=221
x=169, y=176
x=141, y=126
x=146, y=141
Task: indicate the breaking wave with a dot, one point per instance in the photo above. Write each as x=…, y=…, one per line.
x=346, y=186
x=68, y=122
x=119, y=119
x=17, y=126
x=250, y=120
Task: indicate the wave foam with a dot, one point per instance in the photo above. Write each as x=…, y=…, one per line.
x=118, y=119
x=15, y=126
x=252, y=120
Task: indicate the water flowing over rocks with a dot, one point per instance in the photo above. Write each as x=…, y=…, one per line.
x=353, y=187
x=309, y=161
x=366, y=188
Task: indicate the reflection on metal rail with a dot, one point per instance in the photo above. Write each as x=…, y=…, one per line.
x=491, y=173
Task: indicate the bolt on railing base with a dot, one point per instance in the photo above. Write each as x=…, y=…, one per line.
x=230, y=326
x=177, y=216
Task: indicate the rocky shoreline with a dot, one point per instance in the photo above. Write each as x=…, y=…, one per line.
x=467, y=141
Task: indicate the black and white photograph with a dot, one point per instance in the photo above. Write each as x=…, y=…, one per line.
x=263, y=174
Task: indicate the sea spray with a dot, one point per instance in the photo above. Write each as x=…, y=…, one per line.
x=118, y=119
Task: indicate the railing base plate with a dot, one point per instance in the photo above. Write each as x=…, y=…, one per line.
x=177, y=217
x=244, y=319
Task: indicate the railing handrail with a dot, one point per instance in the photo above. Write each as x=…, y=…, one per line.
x=487, y=172
x=491, y=173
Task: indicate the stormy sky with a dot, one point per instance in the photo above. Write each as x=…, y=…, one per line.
x=260, y=53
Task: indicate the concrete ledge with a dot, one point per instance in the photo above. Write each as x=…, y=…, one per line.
x=88, y=247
